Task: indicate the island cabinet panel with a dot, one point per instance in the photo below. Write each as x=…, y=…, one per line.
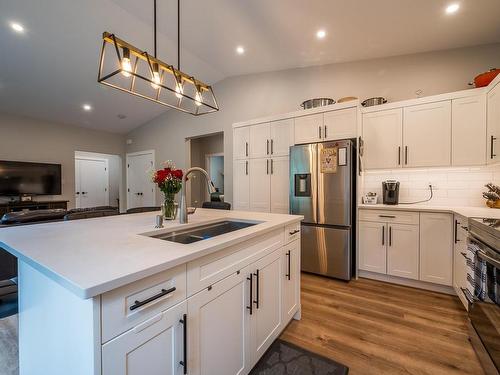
x=290, y=277
x=209, y=269
x=218, y=327
x=153, y=347
x=266, y=321
x=125, y=307
x=436, y=248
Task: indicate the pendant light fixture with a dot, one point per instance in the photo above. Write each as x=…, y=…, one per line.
x=127, y=68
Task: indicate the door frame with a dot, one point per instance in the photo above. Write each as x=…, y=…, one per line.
x=106, y=163
x=207, y=167
x=127, y=157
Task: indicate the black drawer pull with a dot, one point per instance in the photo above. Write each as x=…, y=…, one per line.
x=250, y=278
x=294, y=232
x=388, y=216
x=183, y=363
x=289, y=256
x=163, y=292
x=257, y=274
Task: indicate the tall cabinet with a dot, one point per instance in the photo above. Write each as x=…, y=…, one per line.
x=260, y=166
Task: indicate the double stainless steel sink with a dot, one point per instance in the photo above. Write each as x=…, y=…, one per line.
x=204, y=232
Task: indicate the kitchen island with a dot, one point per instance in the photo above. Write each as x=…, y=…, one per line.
x=106, y=296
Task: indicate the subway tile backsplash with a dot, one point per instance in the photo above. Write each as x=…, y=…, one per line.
x=451, y=186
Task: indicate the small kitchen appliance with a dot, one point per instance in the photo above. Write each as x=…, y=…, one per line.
x=390, y=192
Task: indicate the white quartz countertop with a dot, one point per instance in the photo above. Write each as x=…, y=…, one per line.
x=485, y=212
x=93, y=256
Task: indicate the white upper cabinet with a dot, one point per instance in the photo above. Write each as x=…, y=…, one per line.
x=241, y=139
x=281, y=137
x=340, y=124
x=260, y=140
x=427, y=135
x=382, y=135
x=493, y=139
x=280, y=184
x=241, y=185
x=309, y=129
x=436, y=248
x=469, y=131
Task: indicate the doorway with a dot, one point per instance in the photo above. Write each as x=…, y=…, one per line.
x=206, y=152
x=97, y=179
x=140, y=189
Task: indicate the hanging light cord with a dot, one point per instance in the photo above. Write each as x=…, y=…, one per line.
x=154, y=26
x=178, y=34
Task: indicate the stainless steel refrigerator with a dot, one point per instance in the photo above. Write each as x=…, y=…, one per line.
x=322, y=188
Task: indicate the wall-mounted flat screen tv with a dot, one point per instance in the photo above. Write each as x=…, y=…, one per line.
x=22, y=178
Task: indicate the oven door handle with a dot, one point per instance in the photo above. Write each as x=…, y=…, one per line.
x=488, y=259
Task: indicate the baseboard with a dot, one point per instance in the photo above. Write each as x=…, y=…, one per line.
x=407, y=282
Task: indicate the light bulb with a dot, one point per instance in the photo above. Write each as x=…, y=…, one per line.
x=179, y=90
x=126, y=65
x=156, y=77
x=198, y=99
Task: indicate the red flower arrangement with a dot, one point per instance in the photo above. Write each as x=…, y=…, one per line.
x=168, y=179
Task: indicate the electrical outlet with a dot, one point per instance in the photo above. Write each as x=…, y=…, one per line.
x=430, y=184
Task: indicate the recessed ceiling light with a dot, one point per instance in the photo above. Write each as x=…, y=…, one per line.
x=17, y=27
x=240, y=50
x=320, y=34
x=452, y=8
x=87, y=107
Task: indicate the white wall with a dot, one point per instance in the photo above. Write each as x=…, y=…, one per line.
x=26, y=139
x=451, y=186
x=251, y=96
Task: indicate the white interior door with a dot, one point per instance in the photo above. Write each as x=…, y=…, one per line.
x=92, y=182
x=140, y=189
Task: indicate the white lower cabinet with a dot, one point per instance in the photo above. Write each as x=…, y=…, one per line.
x=402, y=250
x=372, y=247
x=436, y=248
x=218, y=327
x=154, y=347
x=291, y=280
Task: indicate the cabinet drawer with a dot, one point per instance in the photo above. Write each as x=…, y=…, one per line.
x=400, y=217
x=292, y=232
x=125, y=307
x=209, y=269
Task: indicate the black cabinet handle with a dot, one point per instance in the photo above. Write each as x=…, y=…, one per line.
x=246, y=167
x=267, y=166
x=456, y=231
x=250, y=278
x=319, y=132
x=257, y=274
x=383, y=235
x=272, y=146
x=272, y=166
x=163, y=292
x=77, y=192
x=325, y=131
x=399, y=155
x=183, y=363
x=293, y=232
x=246, y=148
x=387, y=216
x=464, y=228
x=406, y=154
x=289, y=256
x=492, y=154
x=390, y=236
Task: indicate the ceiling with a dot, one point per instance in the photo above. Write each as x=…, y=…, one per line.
x=49, y=71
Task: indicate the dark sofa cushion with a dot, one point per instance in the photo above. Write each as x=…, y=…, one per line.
x=31, y=216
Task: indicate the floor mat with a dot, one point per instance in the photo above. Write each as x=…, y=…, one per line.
x=283, y=358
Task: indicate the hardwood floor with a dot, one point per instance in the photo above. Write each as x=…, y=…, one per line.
x=379, y=328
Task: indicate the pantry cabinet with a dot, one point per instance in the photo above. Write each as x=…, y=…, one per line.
x=260, y=184
x=241, y=185
x=493, y=119
x=241, y=142
x=280, y=184
x=152, y=347
x=469, y=131
x=436, y=248
x=281, y=137
x=382, y=135
x=427, y=135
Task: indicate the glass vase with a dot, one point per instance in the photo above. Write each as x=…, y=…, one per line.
x=169, y=208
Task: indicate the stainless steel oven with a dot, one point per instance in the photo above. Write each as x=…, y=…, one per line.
x=484, y=313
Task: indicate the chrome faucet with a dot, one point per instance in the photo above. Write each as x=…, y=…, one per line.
x=183, y=214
